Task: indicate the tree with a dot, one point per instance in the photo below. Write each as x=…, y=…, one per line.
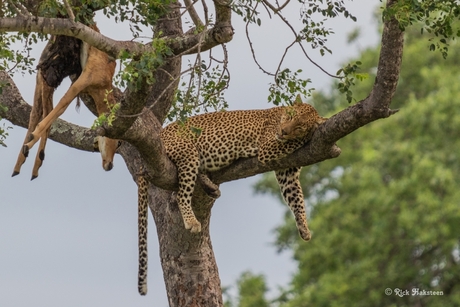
x=150, y=81
x=251, y=289
x=386, y=215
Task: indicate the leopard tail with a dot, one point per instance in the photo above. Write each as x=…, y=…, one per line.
x=142, y=224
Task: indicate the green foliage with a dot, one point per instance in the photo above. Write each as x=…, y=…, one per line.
x=136, y=72
x=385, y=213
x=248, y=10
x=314, y=32
x=438, y=18
x=287, y=85
x=393, y=220
x=3, y=128
x=3, y=134
x=52, y=8
x=16, y=60
x=202, y=92
x=143, y=12
x=109, y=117
x=348, y=75
x=252, y=289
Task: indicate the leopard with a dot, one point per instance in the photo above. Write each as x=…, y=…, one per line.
x=209, y=142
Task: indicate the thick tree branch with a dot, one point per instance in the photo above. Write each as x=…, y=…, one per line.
x=221, y=33
x=61, y=26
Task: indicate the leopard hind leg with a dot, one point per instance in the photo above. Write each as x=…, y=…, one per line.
x=288, y=180
x=187, y=173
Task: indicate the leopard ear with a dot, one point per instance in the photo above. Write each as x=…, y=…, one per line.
x=298, y=100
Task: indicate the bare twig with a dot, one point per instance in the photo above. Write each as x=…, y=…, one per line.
x=162, y=93
x=251, y=45
x=193, y=14
x=316, y=64
x=205, y=10
x=277, y=12
x=69, y=10
x=191, y=69
x=225, y=69
x=284, y=5
x=279, y=8
x=282, y=58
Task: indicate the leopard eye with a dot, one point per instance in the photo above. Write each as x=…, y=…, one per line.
x=119, y=144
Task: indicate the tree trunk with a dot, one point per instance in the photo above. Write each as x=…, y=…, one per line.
x=188, y=262
x=189, y=266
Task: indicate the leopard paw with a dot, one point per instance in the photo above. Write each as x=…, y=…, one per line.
x=215, y=194
x=209, y=187
x=193, y=225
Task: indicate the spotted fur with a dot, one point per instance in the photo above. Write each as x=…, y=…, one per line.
x=212, y=141
x=143, y=207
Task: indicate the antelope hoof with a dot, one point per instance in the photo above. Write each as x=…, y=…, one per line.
x=15, y=173
x=33, y=177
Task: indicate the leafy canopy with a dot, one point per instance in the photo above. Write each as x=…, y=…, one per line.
x=386, y=213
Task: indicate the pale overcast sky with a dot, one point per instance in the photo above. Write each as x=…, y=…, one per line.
x=69, y=238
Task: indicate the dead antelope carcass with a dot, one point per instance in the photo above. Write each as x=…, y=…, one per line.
x=96, y=80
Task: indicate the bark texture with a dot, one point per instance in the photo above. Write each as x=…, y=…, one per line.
x=188, y=261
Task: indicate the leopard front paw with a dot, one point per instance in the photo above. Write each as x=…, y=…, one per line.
x=193, y=225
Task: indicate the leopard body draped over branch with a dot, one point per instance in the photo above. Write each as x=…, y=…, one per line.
x=211, y=141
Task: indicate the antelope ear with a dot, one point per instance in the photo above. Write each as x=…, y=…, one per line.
x=298, y=100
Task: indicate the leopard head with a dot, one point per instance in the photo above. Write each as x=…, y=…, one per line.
x=298, y=122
